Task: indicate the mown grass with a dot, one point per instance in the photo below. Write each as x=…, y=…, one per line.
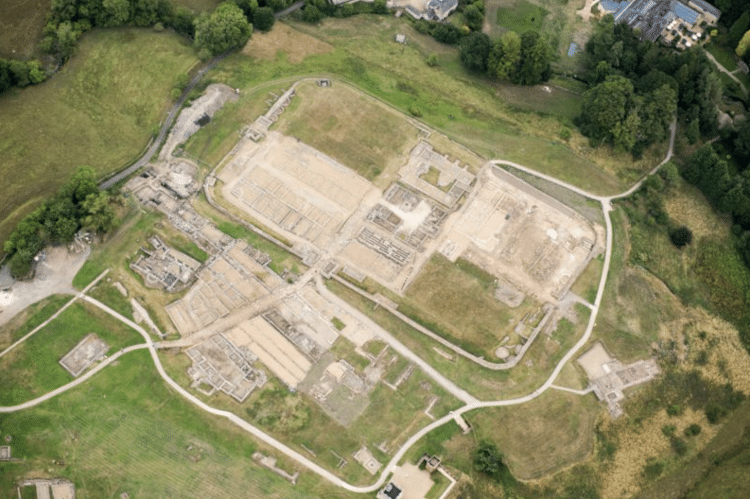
x=32, y=369
x=465, y=308
x=110, y=98
x=587, y=284
x=540, y=437
x=30, y=318
x=125, y=431
x=344, y=349
x=523, y=16
x=116, y=253
x=281, y=260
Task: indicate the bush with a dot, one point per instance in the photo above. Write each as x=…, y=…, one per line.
x=692, y=430
x=674, y=410
x=432, y=60
x=715, y=412
x=653, y=470
x=678, y=446
x=681, y=237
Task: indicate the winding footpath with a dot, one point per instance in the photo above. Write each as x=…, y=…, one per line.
x=471, y=402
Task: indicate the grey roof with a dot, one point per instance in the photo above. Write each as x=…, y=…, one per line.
x=392, y=491
x=652, y=16
x=706, y=7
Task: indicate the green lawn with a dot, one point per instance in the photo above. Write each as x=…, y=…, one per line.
x=722, y=55
x=32, y=369
x=30, y=318
x=523, y=16
x=125, y=431
x=294, y=418
x=100, y=110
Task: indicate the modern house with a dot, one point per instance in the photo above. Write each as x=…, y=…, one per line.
x=669, y=19
x=432, y=10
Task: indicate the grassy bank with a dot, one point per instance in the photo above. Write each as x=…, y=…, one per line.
x=100, y=110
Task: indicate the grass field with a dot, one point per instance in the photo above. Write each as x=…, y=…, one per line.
x=30, y=318
x=723, y=56
x=281, y=259
x=124, y=431
x=375, y=147
x=467, y=309
x=109, y=97
x=297, y=420
x=543, y=436
x=538, y=363
x=587, y=284
x=32, y=369
x=521, y=17
x=21, y=27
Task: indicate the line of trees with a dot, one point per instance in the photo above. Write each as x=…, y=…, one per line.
x=635, y=88
x=78, y=204
x=521, y=59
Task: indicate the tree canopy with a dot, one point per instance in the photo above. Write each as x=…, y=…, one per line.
x=78, y=204
x=223, y=29
x=475, y=51
x=263, y=19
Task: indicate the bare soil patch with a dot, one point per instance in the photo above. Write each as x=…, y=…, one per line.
x=282, y=38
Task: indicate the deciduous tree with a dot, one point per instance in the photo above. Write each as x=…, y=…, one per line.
x=223, y=29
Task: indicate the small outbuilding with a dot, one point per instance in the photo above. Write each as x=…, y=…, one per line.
x=390, y=492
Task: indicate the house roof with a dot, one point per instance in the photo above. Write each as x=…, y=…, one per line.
x=392, y=491
x=706, y=7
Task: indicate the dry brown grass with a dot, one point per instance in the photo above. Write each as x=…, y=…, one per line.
x=686, y=206
x=571, y=377
x=295, y=44
x=375, y=148
x=636, y=444
x=467, y=310
x=543, y=436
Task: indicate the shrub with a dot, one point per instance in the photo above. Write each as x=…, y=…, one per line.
x=692, y=430
x=432, y=60
x=679, y=446
x=681, y=237
x=674, y=410
x=653, y=470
